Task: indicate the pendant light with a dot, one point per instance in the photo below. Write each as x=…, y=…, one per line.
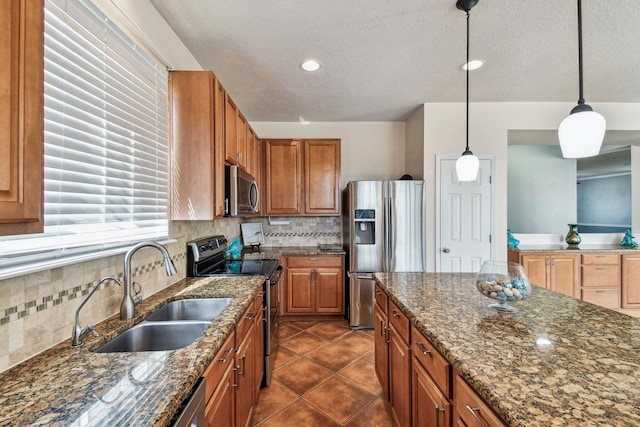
x=581, y=133
x=467, y=164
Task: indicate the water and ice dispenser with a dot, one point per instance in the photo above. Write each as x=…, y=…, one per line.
x=365, y=227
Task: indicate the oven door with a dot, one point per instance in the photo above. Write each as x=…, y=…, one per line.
x=273, y=318
x=192, y=414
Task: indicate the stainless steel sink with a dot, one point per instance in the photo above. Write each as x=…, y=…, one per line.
x=191, y=309
x=156, y=336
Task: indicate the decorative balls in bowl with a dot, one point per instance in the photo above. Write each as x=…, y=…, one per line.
x=504, y=282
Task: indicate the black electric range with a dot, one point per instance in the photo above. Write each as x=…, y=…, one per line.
x=207, y=257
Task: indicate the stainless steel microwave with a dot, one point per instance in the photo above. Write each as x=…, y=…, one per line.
x=241, y=192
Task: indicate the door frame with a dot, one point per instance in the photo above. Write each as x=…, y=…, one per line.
x=492, y=220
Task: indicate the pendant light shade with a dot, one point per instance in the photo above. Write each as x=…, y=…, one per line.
x=581, y=133
x=467, y=164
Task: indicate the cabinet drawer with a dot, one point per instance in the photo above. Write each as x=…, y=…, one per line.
x=223, y=358
x=399, y=321
x=381, y=299
x=434, y=363
x=244, y=323
x=314, y=261
x=471, y=409
x=600, y=259
x=600, y=276
x=609, y=298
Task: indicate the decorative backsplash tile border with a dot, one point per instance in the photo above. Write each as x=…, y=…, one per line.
x=27, y=308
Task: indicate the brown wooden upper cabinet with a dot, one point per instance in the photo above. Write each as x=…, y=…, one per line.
x=302, y=177
x=231, y=131
x=22, y=120
x=197, y=145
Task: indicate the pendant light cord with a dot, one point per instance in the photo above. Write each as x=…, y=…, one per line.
x=581, y=99
x=467, y=149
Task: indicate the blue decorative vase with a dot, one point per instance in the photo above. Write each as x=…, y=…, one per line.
x=512, y=242
x=573, y=238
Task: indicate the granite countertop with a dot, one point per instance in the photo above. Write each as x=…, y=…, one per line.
x=75, y=387
x=277, y=252
x=558, y=362
x=579, y=249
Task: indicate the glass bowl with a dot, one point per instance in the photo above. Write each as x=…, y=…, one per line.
x=504, y=282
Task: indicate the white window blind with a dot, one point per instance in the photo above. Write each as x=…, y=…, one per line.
x=106, y=141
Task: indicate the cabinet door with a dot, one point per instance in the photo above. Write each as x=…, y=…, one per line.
x=322, y=176
x=329, y=290
x=245, y=390
x=536, y=267
x=22, y=119
x=219, y=148
x=430, y=407
x=631, y=281
x=283, y=177
x=381, y=349
x=220, y=410
x=241, y=135
x=230, y=130
x=399, y=379
x=300, y=295
x=470, y=409
x=565, y=275
x=192, y=145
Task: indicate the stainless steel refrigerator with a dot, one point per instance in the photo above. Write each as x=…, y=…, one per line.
x=384, y=231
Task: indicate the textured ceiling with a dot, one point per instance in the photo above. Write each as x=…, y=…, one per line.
x=381, y=59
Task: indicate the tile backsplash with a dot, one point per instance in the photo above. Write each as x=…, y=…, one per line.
x=37, y=310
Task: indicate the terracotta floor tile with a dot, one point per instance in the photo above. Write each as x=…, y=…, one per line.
x=363, y=374
x=356, y=341
x=331, y=398
x=283, y=357
x=333, y=357
x=303, y=343
x=375, y=415
x=272, y=399
x=303, y=324
x=367, y=331
x=299, y=414
x=330, y=330
x=302, y=375
x=371, y=355
x=286, y=329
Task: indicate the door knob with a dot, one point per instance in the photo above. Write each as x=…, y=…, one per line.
x=446, y=250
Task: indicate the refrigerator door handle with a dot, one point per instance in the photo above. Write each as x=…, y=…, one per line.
x=387, y=233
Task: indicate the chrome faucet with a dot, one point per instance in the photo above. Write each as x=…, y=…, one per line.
x=78, y=331
x=127, y=308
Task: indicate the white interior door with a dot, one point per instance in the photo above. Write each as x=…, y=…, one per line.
x=465, y=219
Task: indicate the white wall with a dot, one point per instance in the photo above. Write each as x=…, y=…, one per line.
x=369, y=150
x=414, y=146
x=489, y=124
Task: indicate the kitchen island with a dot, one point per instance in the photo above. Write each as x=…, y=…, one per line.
x=557, y=362
x=63, y=386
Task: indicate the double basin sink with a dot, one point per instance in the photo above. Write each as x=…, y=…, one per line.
x=172, y=326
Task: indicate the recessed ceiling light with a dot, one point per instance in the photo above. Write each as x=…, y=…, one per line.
x=310, y=65
x=474, y=64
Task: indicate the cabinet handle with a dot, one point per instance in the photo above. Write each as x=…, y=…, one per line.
x=243, y=359
x=250, y=315
x=395, y=313
x=439, y=410
x=387, y=340
x=478, y=419
x=378, y=292
x=226, y=356
x=424, y=349
x=237, y=378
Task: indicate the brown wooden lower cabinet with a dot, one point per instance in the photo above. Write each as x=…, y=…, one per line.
x=631, y=280
x=430, y=406
x=314, y=285
x=381, y=351
x=234, y=375
x=399, y=379
x=470, y=409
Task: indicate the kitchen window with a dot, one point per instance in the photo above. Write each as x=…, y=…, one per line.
x=106, y=141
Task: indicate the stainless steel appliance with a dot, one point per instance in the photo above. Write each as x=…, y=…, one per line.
x=384, y=231
x=193, y=410
x=207, y=257
x=241, y=192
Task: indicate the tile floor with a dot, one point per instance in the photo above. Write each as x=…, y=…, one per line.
x=323, y=377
